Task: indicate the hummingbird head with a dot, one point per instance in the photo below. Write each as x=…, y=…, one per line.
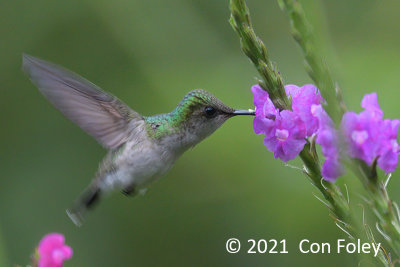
x=197, y=116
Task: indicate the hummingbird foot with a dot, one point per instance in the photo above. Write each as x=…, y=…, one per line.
x=129, y=191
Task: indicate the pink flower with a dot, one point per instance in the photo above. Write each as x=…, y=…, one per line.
x=302, y=100
x=369, y=137
x=389, y=148
x=284, y=131
x=266, y=112
x=53, y=251
x=328, y=139
x=288, y=136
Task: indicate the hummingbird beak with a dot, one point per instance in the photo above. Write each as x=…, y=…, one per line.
x=244, y=112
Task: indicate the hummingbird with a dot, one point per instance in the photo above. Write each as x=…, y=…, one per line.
x=140, y=148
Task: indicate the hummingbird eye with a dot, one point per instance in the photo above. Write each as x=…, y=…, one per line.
x=210, y=112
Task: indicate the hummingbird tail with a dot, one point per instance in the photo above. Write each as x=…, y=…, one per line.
x=86, y=201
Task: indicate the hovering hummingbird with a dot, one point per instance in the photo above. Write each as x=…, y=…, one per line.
x=140, y=148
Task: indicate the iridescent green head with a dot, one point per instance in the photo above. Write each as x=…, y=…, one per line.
x=201, y=104
x=197, y=116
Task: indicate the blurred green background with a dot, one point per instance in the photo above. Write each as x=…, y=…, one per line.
x=150, y=53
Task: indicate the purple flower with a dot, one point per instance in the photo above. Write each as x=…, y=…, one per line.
x=362, y=135
x=53, y=251
x=287, y=138
x=389, y=148
x=369, y=137
x=284, y=131
x=266, y=112
x=261, y=100
x=327, y=137
x=302, y=100
x=370, y=104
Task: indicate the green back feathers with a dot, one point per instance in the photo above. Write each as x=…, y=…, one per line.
x=160, y=125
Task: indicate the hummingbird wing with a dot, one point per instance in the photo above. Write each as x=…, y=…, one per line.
x=100, y=114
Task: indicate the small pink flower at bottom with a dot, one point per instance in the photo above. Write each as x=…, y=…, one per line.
x=53, y=251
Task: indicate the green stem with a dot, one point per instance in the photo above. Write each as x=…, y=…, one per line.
x=272, y=82
x=319, y=72
x=384, y=208
x=328, y=190
x=256, y=51
x=315, y=65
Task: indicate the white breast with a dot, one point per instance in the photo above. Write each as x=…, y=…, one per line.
x=139, y=164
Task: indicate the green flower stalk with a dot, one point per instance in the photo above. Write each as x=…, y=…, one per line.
x=256, y=51
x=315, y=65
x=384, y=208
x=272, y=82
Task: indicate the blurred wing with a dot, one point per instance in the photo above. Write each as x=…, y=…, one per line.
x=100, y=114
